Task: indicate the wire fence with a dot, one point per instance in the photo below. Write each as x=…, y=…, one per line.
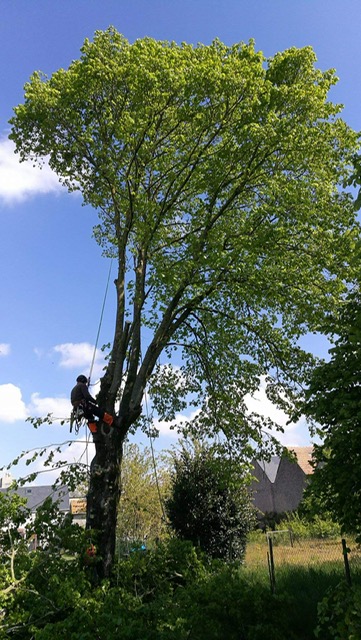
x=281, y=550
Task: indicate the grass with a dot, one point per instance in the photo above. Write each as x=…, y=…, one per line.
x=305, y=571
x=304, y=553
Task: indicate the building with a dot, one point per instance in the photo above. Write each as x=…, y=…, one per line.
x=35, y=496
x=279, y=484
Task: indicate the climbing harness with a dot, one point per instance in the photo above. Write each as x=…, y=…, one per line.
x=77, y=419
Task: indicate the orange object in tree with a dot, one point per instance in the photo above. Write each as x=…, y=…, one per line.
x=108, y=419
x=90, y=555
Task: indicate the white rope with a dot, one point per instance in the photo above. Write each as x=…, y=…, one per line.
x=95, y=350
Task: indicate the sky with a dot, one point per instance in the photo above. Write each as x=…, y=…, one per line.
x=53, y=276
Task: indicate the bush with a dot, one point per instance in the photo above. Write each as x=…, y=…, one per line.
x=339, y=614
x=314, y=528
x=209, y=505
x=170, y=593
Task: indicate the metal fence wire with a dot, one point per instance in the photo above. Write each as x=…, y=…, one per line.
x=282, y=549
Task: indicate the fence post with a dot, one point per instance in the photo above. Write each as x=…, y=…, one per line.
x=291, y=536
x=271, y=565
x=345, y=559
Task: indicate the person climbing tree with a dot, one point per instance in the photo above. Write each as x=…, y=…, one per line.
x=80, y=397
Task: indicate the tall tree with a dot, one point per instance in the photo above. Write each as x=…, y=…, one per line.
x=333, y=403
x=217, y=176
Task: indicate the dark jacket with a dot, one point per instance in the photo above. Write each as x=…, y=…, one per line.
x=79, y=393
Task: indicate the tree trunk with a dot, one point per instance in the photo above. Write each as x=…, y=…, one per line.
x=103, y=497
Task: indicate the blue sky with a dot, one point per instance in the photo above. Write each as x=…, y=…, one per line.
x=53, y=276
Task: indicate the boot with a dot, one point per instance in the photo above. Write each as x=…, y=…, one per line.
x=108, y=419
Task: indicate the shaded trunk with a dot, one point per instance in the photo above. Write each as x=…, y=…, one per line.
x=105, y=489
x=103, y=497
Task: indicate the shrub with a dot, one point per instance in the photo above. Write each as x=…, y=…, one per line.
x=209, y=505
x=316, y=527
x=339, y=614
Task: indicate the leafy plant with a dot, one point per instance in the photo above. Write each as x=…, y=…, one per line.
x=316, y=527
x=339, y=614
x=209, y=502
x=333, y=406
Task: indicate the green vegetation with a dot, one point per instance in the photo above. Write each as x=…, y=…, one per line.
x=145, y=486
x=209, y=503
x=219, y=178
x=170, y=591
x=333, y=404
x=317, y=527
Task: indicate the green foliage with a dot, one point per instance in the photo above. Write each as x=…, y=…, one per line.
x=317, y=527
x=145, y=482
x=166, y=594
x=172, y=592
x=13, y=515
x=220, y=172
x=209, y=503
x=339, y=614
x=333, y=403
x=218, y=177
x=69, y=474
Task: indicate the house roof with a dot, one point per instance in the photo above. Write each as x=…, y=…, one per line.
x=304, y=457
x=36, y=495
x=270, y=467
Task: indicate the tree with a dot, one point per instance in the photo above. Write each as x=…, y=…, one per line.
x=333, y=403
x=218, y=178
x=209, y=503
x=145, y=483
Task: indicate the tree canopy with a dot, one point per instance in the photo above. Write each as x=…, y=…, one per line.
x=333, y=403
x=217, y=175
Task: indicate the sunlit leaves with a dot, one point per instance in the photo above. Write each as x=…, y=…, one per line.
x=217, y=175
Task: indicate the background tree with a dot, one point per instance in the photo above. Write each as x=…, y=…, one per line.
x=217, y=177
x=209, y=503
x=333, y=403
x=145, y=484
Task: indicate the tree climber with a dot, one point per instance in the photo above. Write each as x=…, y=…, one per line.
x=80, y=397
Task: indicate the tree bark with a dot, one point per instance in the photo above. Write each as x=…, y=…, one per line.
x=103, y=497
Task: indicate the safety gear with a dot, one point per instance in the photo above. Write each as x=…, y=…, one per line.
x=82, y=378
x=76, y=418
x=93, y=427
x=90, y=554
x=108, y=419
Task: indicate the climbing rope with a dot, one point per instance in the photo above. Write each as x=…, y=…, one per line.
x=100, y=321
x=95, y=349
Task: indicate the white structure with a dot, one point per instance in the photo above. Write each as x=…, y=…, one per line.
x=6, y=480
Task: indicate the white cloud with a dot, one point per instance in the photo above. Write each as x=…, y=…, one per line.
x=295, y=434
x=81, y=451
x=164, y=427
x=59, y=407
x=4, y=349
x=12, y=406
x=79, y=356
x=21, y=180
x=74, y=354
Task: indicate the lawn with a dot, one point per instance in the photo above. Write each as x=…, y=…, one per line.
x=304, y=571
